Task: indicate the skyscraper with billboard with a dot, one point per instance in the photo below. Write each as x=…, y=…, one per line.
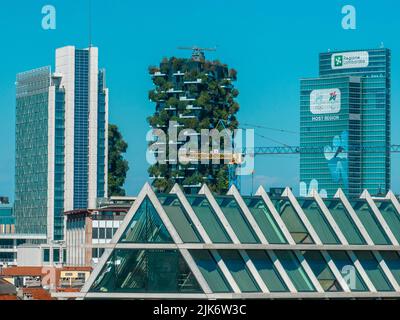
x=345, y=118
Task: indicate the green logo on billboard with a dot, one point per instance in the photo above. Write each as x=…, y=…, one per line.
x=332, y=96
x=338, y=61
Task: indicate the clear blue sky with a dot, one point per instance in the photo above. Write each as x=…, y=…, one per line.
x=272, y=44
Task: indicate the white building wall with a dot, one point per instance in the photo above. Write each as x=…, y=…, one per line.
x=29, y=256
x=65, y=64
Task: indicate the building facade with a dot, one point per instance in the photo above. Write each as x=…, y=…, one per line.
x=345, y=117
x=88, y=231
x=9, y=244
x=61, y=141
x=331, y=124
x=266, y=246
x=7, y=219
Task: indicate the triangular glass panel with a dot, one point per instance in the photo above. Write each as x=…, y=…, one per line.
x=146, y=271
x=146, y=226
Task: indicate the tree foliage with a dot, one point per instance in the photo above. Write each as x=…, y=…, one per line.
x=208, y=97
x=117, y=165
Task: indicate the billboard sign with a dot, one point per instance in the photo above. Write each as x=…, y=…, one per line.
x=349, y=60
x=325, y=101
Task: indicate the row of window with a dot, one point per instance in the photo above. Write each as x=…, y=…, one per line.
x=166, y=271
x=103, y=233
x=54, y=255
x=147, y=226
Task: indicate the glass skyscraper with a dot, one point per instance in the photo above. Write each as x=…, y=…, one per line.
x=61, y=141
x=345, y=124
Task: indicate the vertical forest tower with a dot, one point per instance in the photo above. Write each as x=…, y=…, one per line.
x=196, y=94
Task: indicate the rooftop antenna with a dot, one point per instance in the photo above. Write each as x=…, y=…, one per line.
x=90, y=23
x=198, y=52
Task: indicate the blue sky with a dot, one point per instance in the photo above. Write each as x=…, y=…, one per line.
x=272, y=44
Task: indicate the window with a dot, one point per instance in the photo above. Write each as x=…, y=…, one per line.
x=180, y=219
x=102, y=233
x=370, y=222
x=237, y=220
x=317, y=219
x=391, y=216
x=267, y=271
x=56, y=255
x=239, y=270
x=292, y=221
x=146, y=226
x=348, y=270
x=392, y=260
x=109, y=234
x=46, y=255
x=295, y=271
x=265, y=220
x=151, y=271
x=322, y=271
x=209, y=219
x=81, y=276
x=374, y=271
x=344, y=221
x=210, y=270
x=95, y=234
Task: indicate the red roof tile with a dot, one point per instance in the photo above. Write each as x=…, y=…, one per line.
x=37, y=293
x=21, y=271
x=8, y=297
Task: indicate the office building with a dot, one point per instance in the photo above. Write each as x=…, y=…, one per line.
x=61, y=141
x=345, y=124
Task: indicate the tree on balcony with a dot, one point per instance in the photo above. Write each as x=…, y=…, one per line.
x=213, y=99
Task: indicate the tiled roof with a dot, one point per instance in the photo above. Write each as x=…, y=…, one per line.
x=37, y=294
x=8, y=297
x=35, y=271
x=21, y=271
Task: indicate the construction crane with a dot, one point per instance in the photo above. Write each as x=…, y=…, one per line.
x=234, y=179
x=284, y=149
x=287, y=150
x=232, y=159
x=197, y=52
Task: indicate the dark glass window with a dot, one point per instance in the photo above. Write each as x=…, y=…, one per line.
x=109, y=233
x=102, y=233
x=46, y=255
x=210, y=270
x=56, y=255
x=146, y=226
x=95, y=233
x=151, y=271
